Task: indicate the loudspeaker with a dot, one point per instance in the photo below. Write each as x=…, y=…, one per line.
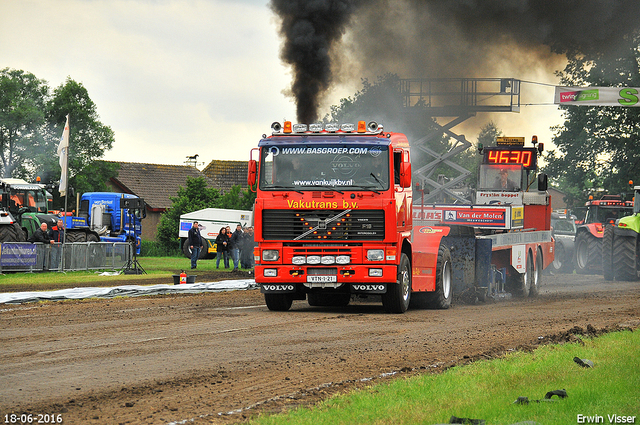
x=132, y=203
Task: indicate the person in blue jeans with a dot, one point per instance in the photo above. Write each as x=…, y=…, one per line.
x=195, y=244
x=234, y=246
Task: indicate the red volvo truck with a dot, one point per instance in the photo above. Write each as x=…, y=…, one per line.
x=335, y=216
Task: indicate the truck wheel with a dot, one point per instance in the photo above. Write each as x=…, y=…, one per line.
x=536, y=278
x=92, y=238
x=12, y=233
x=588, y=253
x=316, y=299
x=520, y=283
x=396, y=299
x=607, y=253
x=561, y=263
x=441, y=298
x=624, y=258
x=278, y=302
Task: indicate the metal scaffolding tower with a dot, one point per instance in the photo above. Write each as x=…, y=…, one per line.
x=458, y=99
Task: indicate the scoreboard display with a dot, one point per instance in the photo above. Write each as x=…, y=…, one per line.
x=527, y=157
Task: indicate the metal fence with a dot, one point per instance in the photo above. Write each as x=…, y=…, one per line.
x=31, y=257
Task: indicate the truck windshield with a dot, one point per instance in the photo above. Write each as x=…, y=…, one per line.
x=325, y=167
x=500, y=177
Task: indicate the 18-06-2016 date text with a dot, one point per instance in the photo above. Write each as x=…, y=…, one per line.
x=32, y=418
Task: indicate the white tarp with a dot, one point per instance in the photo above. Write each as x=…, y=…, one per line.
x=126, y=290
x=598, y=96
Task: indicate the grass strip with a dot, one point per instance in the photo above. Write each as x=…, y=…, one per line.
x=487, y=389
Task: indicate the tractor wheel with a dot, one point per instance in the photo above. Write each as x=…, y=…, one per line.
x=396, y=299
x=625, y=254
x=12, y=233
x=536, y=276
x=607, y=253
x=75, y=236
x=278, y=302
x=588, y=253
x=92, y=238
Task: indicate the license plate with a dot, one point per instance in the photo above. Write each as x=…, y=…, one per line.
x=322, y=279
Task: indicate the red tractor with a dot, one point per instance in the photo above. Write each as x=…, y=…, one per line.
x=588, y=242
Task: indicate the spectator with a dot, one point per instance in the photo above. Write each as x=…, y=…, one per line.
x=222, y=249
x=57, y=236
x=41, y=235
x=235, y=241
x=195, y=244
x=247, y=248
x=57, y=232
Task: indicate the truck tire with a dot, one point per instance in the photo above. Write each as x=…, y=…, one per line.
x=441, y=298
x=625, y=253
x=12, y=233
x=588, y=253
x=278, y=302
x=536, y=278
x=186, y=250
x=75, y=236
x=92, y=238
x=520, y=283
x=316, y=299
x=607, y=253
x=396, y=299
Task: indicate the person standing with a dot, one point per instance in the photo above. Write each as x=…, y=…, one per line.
x=195, y=244
x=222, y=250
x=235, y=241
x=57, y=236
x=41, y=235
x=246, y=255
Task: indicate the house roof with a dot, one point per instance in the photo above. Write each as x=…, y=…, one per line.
x=155, y=183
x=226, y=174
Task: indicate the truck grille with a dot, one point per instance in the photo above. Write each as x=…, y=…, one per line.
x=363, y=225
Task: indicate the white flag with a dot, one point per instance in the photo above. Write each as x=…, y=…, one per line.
x=63, y=152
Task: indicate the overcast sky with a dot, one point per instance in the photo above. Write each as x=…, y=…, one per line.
x=178, y=78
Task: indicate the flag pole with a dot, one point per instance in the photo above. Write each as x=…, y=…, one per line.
x=63, y=152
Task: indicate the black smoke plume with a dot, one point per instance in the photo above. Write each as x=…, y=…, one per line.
x=310, y=29
x=442, y=38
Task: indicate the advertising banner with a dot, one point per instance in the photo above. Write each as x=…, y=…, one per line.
x=17, y=254
x=490, y=217
x=598, y=96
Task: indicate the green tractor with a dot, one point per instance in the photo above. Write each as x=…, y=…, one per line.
x=621, y=245
x=23, y=207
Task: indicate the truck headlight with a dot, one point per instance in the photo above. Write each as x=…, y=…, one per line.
x=270, y=272
x=328, y=259
x=343, y=259
x=375, y=272
x=270, y=255
x=313, y=259
x=375, y=255
x=298, y=260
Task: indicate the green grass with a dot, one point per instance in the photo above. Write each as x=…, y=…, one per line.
x=157, y=267
x=487, y=390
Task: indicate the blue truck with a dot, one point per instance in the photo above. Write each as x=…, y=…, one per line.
x=107, y=217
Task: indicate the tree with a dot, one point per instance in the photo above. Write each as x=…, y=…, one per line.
x=598, y=147
x=22, y=116
x=195, y=196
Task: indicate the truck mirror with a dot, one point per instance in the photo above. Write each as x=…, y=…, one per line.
x=542, y=182
x=405, y=174
x=251, y=175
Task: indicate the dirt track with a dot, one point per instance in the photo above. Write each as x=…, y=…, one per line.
x=221, y=357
